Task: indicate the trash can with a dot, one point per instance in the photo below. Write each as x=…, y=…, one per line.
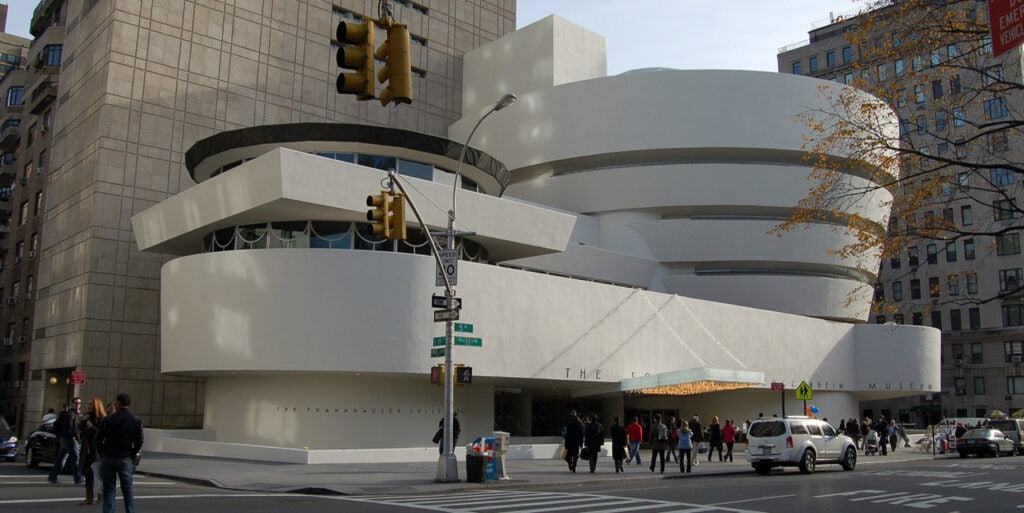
x=476, y=467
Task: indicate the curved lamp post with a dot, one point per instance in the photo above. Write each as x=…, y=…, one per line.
x=447, y=465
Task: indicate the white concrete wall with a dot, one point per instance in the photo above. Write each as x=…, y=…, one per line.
x=300, y=328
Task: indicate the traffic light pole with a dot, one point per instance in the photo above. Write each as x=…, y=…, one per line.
x=447, y=465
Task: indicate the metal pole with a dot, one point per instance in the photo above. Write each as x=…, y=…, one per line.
x=447, y=465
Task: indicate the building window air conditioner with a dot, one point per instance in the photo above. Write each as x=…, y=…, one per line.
x=12, y=300
x=958, y=360
x=21, y=339
x=28, y=296
x=1017, y=358
x=8, y=341
x=41, y=169
x=961, y=391
x=23, y=180
x=32, y=254
x=19, y=384
x=17, y=260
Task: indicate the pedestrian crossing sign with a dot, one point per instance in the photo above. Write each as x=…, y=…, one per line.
x=804, y=392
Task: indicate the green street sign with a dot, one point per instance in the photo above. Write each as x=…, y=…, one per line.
x=438, y=341
x=463, y=327
x=437, y=352
x=469, y=341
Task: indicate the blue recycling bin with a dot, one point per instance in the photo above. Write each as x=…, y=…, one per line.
x=484, y=446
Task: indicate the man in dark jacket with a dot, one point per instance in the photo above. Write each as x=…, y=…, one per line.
x=119, y=440
x=66, y=430
x=573, y=434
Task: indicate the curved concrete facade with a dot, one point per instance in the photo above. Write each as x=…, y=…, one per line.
x=630, y=245
x=713, y=160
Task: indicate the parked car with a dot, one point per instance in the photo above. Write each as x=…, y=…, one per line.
x=985, y=441
x=8, y=442
x=1012, y=428
x=797, y=441
x=41, y=445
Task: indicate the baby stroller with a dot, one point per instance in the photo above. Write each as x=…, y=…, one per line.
x=871, y=443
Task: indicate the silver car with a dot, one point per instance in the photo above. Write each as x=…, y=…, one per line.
x=797, y=441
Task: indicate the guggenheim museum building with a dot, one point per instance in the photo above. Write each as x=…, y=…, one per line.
x=616, y=260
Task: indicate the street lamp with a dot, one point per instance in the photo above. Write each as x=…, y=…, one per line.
x=447, y=465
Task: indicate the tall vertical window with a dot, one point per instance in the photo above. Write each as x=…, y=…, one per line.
x=954, y=85
x=941, y=120
x=898, y=67
x=15, y=95
x=966, y=217
x=972, y=282
x=918, y=93
x=797, y=68
x=937, y=319
x=897, y=291
x=813, y=64
x=52, y=54
x=934, y=289
x=959, y=119
x=932, y=252
x=915, y=289
x=968, y=249
x=979, y=385
x=953, y=284
x=955, y=323
x=974, y=318
x=881, y=72
x=847, y=54
x=830, y=58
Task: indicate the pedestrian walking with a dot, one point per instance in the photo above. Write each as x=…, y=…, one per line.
x=714, y=438
x=685, y=447
x=729, y=437
x=593, y=440
x=620, y=444
x=697, y=434
x=659, y=442
x=90, y=455
x=66, y=430
x=636, y=436
x=119, y=441
x=672, y=424
x=573, y=435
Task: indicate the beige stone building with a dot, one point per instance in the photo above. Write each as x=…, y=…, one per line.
x=139, y=83
x=968, y=288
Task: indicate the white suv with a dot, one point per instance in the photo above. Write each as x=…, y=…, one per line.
x=797, y=441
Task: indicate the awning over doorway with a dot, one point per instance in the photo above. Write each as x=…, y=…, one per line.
x=694, y=381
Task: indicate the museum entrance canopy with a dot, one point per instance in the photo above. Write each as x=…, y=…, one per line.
x=691, y=382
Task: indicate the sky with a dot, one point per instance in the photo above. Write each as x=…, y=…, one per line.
x=691, y=34
x=684, y=34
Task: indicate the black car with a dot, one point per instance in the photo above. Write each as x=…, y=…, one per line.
x=8, y=442
x=985, y=441
x=41, y=445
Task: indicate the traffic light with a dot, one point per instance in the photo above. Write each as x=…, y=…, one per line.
x=396, y=74
x=378, y=215
x=397, y=218
x=437, y=374
x=355, y=52
x=387, y=216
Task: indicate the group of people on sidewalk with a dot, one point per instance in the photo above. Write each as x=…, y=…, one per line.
x=98, y=442
x=874, y=435
x=583, y=439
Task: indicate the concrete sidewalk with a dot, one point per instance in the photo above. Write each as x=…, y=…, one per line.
x=418, y=477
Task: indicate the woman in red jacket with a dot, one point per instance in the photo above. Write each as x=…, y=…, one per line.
x=729, y=437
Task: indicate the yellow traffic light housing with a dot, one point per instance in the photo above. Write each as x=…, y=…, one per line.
x=387, y=217
x=355, y=52
x=396, y=74
x=379, y=214
x=397, y=218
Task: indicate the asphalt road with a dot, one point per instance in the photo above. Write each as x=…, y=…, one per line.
x=944, y=485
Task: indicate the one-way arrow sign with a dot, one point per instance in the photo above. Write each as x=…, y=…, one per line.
x=437, y=301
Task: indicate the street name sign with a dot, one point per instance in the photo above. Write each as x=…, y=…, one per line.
x=462, y=327
x=445, y=315
x=437, y=352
